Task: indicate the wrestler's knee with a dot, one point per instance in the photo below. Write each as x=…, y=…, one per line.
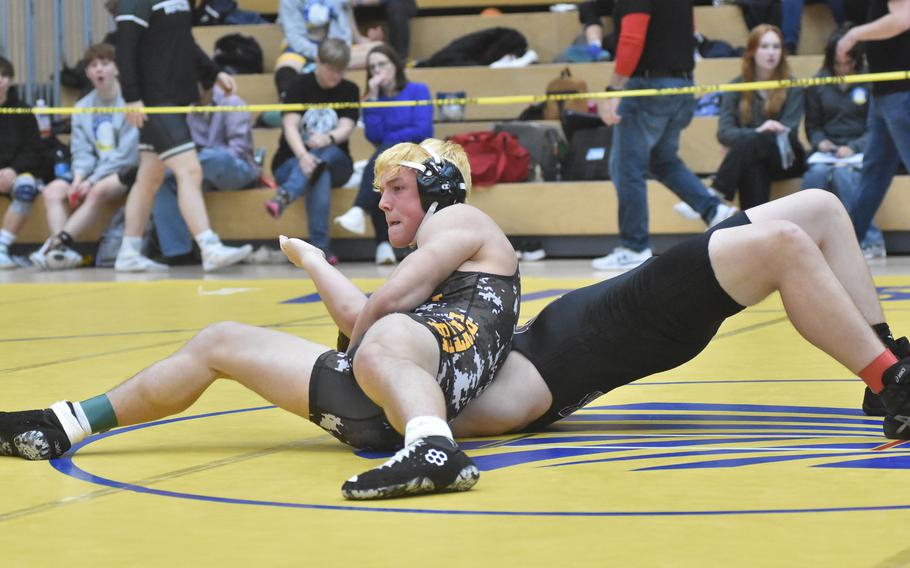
x=55, y=191
x=216, y=337
x=787, y=240
x=823, y=203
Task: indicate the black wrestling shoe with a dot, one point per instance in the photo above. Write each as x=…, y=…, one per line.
x=895, y=397
x=872, y=404
x=429, y=465
x=32, y=435
x=897, y=426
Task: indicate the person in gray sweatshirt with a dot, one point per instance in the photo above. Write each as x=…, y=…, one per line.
x=105, y=155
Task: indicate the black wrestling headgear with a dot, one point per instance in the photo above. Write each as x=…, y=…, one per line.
x=438, y=181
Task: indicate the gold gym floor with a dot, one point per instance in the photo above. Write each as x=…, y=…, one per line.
x=753, y=454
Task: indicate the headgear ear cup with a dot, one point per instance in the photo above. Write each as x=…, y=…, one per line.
x=438, y=181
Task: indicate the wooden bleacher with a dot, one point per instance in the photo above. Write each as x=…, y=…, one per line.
x=548, y=33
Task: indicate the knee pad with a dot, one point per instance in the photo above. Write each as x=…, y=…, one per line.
x=25, y=190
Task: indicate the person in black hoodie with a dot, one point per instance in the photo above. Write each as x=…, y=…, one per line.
x=24, y=165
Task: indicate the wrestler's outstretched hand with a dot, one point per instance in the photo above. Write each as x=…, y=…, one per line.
x=298, y=251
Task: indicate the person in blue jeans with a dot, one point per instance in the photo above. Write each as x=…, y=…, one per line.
x=313, y=155
x=887, y=37
x=385, y=127
x=655, y=50
x=791, y=15
x=225, y=147
x=836, y=129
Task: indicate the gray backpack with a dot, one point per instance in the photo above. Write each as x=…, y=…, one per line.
x=542, y=142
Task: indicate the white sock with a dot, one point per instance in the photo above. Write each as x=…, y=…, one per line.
x=6, y=238
x=82, y=418
x=68, y=420
x=206, y=239
x=423, y=426
x=131, y=245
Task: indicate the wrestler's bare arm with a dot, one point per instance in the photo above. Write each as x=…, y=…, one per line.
x=341, y=297
x=446, y=242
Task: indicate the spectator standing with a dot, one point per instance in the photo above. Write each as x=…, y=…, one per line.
x=836, y=128
x=24, y=163
x=160, y=65
x=887, y=37
x=105, y=154
x=224, y=141
x=654, y=51
x=759, y=128
x=385, y=127
x=313, y=155
x=792, y=16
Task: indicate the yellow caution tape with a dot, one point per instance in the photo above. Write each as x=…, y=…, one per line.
x=496, y=100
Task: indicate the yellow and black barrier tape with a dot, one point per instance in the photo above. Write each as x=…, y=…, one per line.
x=492, y=100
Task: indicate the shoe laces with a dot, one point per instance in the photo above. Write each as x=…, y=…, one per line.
x=402, y=454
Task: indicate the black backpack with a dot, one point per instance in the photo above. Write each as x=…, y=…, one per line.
x=238, y=54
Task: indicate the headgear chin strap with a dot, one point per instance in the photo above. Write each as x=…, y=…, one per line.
x=438, y=181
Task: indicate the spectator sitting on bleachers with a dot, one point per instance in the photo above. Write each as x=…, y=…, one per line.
x=791, y=19
x=313, y=155
x=836, y=129
x=308, y=23
x=599, y=46
x=105, y=155
x=759, y=128
x=24, y=163
x=224, y=141
x=385, y=127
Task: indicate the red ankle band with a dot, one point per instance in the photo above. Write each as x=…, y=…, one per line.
x=872, y=374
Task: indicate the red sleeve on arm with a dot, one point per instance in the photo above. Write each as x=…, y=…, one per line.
x=631, y=43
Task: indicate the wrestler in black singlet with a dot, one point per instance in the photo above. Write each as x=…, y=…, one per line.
x=650, y=319
x=471, y=314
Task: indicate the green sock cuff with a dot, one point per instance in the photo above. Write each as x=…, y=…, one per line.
x=100, y=413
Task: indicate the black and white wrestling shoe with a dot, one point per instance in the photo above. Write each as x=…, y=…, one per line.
x=36, y=434
x=429, y=465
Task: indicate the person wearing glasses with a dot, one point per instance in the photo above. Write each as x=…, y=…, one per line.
x=386, y=127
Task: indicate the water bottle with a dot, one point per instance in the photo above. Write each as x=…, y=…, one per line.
x=259, y=157
x=44, y=120
x=61, y=166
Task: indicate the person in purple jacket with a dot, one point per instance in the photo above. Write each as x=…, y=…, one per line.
x=386, y=127
x=224, y=141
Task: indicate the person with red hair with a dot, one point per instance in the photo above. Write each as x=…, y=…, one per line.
x=759, y=128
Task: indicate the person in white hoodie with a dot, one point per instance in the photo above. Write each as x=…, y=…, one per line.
x=105, y=155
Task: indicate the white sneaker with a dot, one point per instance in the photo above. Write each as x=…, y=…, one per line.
x=6, y=261
x=685, y=211
x=874, y=252
x=722, y=213
x=217, y=256
x=62, y=259
x=135, y=262
x=621, y=258
x=385, y=254
x=354, y=220
x=38, y=257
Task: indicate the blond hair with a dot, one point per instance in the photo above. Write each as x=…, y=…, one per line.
x=388, y=164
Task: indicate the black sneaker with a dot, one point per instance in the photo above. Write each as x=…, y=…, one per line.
x=872, y=404
x=429, y=465
x=32, y=435
x=895, y=397
x=897, y=426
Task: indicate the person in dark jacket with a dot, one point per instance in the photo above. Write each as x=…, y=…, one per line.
x=24, y=164
x=759, y=128
x=836, y=130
